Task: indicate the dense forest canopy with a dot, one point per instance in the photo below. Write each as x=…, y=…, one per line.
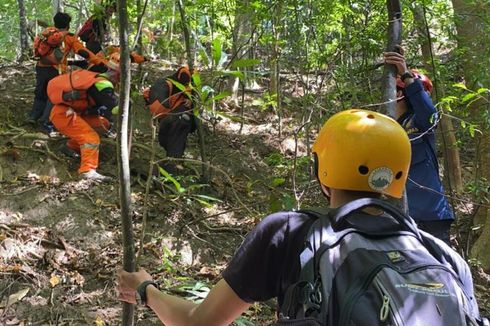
x=292, y=63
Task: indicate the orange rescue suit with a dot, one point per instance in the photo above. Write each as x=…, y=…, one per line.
x=71, y=89
x=68, y=93
x=71, y=43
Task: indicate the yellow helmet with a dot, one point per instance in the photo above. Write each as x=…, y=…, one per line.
x=363, y=150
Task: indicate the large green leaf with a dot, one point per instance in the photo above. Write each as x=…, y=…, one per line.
x=241, y=63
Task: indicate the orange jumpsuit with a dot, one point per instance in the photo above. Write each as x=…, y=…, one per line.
x=72, y=97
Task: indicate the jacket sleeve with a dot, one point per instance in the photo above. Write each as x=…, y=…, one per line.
x=425, y=114
x=104, y=96
x=73, y=44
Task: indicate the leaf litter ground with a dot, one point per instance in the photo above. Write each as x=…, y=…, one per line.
x=60, y=238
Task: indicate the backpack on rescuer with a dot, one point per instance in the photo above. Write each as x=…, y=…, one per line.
x=47, y=46
x=86, y=33
x=356, y=273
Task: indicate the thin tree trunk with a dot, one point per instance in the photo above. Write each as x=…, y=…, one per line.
x=187, y=36
x=57, y=6
x=123, y=156
x=24, y=43
x=171, y=32
x=240, y=36
x=274, y=88
x=389, y=72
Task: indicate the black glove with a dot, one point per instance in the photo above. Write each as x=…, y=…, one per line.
x=102, y=110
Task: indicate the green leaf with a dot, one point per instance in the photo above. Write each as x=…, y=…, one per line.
x=204, y=57
x=274, y=203
x=234, y=73
x=177, y=185
x=217, y=50
x=178, y=85
x=196, y=80
x=221, y=95
x=277, y=182
x=232, y=117
x=460, y=85
x=288, y=202
x=482, y=90
x=241, y=63
x=208, y=198
x=242, y=321
x=463, y=124
x=204, y=203
x=468, y=97
x=472, y=130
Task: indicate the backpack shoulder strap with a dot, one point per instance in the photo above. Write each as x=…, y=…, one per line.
x=297, y=301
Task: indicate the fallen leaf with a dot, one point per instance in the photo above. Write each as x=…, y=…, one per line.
x=13, y=298
x=12, y=322
x=54, y=280
x=99, y=321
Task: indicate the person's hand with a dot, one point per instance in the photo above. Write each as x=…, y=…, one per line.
x=111, y=133
x=127, y=283
x=397, y=59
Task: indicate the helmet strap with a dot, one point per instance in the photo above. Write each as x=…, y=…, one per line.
x=326, y=191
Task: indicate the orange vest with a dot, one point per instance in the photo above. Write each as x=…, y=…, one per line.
x=71, y=89
x=159, y=110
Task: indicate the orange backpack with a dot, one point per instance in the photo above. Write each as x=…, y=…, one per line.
x=47, y=46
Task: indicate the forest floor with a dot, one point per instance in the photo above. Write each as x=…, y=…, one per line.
x=60, y=237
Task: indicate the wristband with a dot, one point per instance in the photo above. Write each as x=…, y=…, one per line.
x=141, y=298
x=406, y=75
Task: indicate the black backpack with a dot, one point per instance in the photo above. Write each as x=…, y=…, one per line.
x=388, y=273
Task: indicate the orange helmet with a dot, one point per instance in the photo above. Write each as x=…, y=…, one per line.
x=416, y=74
x=362, y=150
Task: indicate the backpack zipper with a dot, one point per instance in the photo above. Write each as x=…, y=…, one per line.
x=356, y=293
x=385, y=308
x=387, y=305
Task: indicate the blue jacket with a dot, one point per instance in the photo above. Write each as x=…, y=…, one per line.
x=423, y=204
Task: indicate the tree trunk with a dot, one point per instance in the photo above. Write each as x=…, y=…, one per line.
x=123, y=156
x=24, y=43
x=187, y=36
x=389, y=72
x=274, y=89
x=470, y=26
x=240, y=37
x=388, y=84
x=447, y=136
x=57, y=6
